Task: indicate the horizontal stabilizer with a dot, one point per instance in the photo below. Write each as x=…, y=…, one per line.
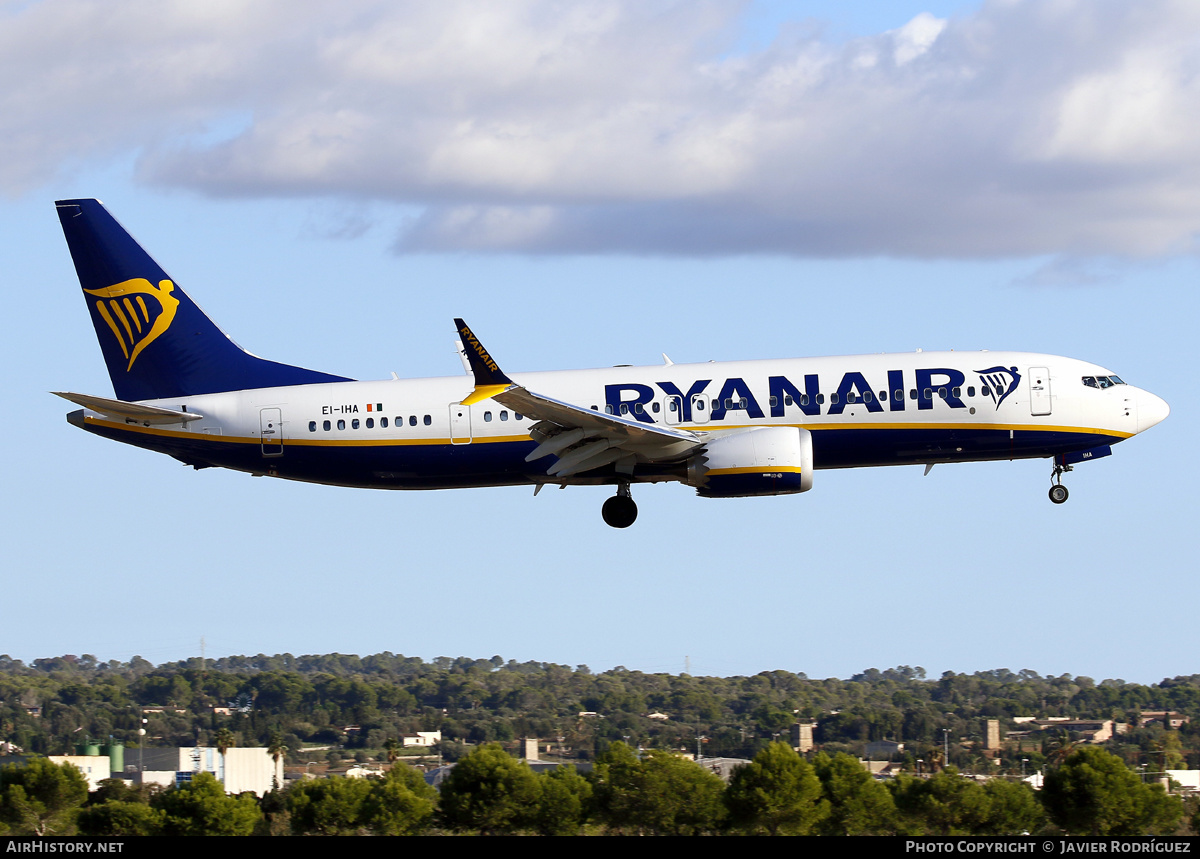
x=148, y=415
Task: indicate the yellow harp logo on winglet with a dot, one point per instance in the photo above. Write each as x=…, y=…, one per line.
x=124, y=306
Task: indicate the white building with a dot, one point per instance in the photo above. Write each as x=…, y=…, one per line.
x=251, y=769
x=422, y=738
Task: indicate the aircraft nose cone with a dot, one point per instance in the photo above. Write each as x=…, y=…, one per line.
x=1151, y=410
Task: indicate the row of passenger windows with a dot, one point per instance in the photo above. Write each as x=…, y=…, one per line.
x=370, y=422
x=487, y=416
x=866, y=397
x=383, y=422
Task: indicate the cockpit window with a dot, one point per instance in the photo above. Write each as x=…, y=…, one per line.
x=1101, y=381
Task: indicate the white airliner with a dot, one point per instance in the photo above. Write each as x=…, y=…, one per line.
x=727, y=429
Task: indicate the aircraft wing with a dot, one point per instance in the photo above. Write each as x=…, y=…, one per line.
x=582, y=438
x=135, y=412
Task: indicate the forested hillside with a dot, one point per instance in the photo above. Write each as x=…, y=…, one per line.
x=47, y=705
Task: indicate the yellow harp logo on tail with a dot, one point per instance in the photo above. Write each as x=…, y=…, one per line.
x=124, y=306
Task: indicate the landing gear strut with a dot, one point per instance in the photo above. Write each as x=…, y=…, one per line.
x=619, y=511
x=1058, y=492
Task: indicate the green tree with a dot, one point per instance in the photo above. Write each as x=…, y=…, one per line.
x=201, y=807
x=1094, y=793
x=777, y=793
x=392, y=746
x=225, y=740
x=400, y=803
x=662, y=793
x=858, y=804
x=945, y=804
x=328, y=806
x=41, y=797
x=616, y=782
x=489, y=791
x=114, y=817
x=277, y=748
x=1014, y=809
x=564, y=801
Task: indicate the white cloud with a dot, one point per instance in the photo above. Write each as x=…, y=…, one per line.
x=1027, y=127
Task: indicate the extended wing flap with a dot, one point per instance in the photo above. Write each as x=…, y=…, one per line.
x=623, y=437
x=594, y=423
x=122, y=410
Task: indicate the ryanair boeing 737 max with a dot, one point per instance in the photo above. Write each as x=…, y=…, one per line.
x=727, y=429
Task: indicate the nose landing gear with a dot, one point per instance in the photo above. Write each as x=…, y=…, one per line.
x=1058, y=492
x=620, y=511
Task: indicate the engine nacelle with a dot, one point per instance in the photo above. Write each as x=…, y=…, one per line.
x=762, y=461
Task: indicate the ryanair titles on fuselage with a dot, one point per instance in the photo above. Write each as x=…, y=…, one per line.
x=734, y=394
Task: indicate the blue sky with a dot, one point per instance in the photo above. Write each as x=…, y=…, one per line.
x=710, y=180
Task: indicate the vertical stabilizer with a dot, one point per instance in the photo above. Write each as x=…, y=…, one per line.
x=157, y=343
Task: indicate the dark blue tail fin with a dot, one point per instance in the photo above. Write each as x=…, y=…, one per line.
x=157, y=343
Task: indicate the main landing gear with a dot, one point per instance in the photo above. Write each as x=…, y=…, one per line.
x=620, y=511
x=1058, y=492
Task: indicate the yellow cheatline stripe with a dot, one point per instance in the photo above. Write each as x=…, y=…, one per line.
x=966, y=425
x=720, y=471
x=484, y=392
x=302, y=442
x=383, y=442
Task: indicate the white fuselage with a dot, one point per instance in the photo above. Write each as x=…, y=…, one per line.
x=862, y=410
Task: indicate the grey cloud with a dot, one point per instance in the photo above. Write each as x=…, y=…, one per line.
x=1027, y=127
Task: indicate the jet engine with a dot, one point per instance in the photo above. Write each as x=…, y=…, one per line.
x=761, y=461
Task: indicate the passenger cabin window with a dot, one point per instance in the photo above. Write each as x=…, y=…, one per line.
x=370, y=423
x=341, y=425
x=325, y=426
x=833, y=398
x=412, y=420
x=503, y=415
x=428, y=420
x=383, y=423
x=354, y=423
x=487, y=416
x=312, y=426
